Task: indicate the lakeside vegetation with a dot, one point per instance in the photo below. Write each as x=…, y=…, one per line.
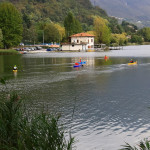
x=8, y=51
x=21, y=131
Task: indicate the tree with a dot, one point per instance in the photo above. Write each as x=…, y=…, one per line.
x=61, y=31
x=1, y=39
x=114, y=26
x=145, y=33
x=136, y=39
x=72, y=25
x=51, y=33
x=11, y=25
x=119, y=39
x=129, y=27
x=101, y=30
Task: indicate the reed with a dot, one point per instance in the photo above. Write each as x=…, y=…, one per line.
x=143, y=145
x=36, y=132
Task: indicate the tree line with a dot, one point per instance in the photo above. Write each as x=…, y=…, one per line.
x=16, y=27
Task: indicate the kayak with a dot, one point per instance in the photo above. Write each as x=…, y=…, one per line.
x=15, y=70
x=82, y=62
x=77, y=66
x=134, y=63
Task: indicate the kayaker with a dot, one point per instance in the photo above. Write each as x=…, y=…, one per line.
x=15, y=67
x=131, y=61
x=106, y=57
x=80, y=59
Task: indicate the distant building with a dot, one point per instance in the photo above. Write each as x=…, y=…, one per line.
x=79, y=42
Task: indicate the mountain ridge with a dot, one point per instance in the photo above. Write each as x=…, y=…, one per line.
x=131, y=10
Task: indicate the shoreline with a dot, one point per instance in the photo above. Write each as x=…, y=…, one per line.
x=8, y=52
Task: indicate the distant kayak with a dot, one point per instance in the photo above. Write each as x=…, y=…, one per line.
x=134, y=63
x=15, y=70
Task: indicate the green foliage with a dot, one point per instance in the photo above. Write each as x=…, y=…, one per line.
x=51, y=33
x=11, y=25
x=19, y=131
x=129, y=27
x=136, y=39
x=72, y=25
x=143, y=145
x=145, y=33
x=101, y=30
x=26, y=21
x=56, y=10
x=119, y=39
x=8, y=51
x=114, y=26
x=1, y=39
x=30, y=35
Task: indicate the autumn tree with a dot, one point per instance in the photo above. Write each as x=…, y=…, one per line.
x=61, y=31
x=11, y=25
x=101, y=30
x=51, y=33
x=119, y=39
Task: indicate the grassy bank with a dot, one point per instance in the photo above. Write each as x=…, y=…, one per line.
x=8, y=52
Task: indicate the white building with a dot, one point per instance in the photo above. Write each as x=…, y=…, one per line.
x=79, y=42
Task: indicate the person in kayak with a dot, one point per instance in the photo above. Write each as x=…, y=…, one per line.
x=106, y=58
x=15, y=67
x=80, y=59
x=131, y=61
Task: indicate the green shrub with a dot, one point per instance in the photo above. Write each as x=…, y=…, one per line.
x=19, y=131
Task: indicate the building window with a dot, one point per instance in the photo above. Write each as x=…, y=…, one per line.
x=72, y=45
x=88, y=41
x=91, y=40
x=77, y=41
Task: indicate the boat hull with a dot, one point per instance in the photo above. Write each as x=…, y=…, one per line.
x=77, y=66
x=134, y=63
x=15, y=70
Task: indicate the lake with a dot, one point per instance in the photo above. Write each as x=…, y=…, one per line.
x=104, y=103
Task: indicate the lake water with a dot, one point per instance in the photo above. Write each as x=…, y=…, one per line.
x=110, y=100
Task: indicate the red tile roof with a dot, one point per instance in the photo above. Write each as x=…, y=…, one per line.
x=82, y=35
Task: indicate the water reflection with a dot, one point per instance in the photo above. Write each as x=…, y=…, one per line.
x=15, y=74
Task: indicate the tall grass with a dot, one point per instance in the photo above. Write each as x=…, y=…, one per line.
x=22, y=132
x=143, y=145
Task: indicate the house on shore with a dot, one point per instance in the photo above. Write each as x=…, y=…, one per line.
x=79, y=42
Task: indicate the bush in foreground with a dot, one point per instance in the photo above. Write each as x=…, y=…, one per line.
x=23, y=132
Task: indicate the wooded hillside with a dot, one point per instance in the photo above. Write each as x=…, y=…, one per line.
x=56, y=10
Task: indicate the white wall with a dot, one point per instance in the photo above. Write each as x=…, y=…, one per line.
x=88, y=40
x=72, y=48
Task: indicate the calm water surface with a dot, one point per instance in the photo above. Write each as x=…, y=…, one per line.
x=110, y=100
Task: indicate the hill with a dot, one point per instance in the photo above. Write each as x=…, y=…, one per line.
x=136, y=10
x=56, y=10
